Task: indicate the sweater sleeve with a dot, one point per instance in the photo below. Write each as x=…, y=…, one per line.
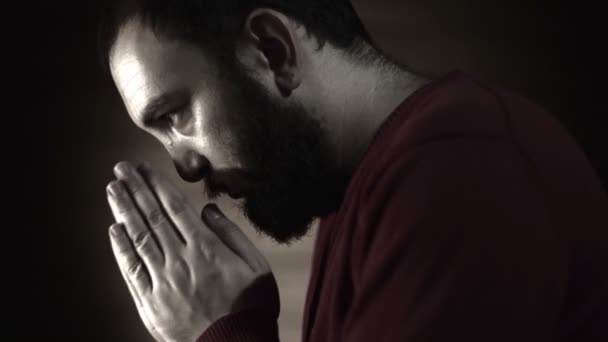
x=455, y=242
x=255, y=322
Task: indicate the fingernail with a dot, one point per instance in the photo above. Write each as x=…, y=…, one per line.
x=110, y=190
x=115, y=189
x=122, y=168
x=114, y=229
x=213, y=211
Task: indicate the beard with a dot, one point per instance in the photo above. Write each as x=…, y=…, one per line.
x=289, y=173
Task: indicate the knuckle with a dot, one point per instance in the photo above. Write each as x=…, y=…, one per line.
x=156, y=216
x=135, y=187
x=176, y=206
x=147, y=249
x=122, y=251
x=135, y=268
x=140, y=239
x=181, y=266
x=123, y=207
x=210, y=249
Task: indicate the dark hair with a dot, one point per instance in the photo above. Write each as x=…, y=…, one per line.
x=216, y=24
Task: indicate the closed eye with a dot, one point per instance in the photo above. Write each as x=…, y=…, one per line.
x=170, y=117
x=173, y=117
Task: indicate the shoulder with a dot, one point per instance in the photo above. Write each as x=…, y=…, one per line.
x=447, y=199
x=453, y=108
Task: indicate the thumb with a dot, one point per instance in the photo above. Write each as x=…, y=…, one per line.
x=233, y=237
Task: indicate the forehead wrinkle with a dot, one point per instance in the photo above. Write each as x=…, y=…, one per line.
x=124, y=60
x=135, y=82
x=134, y=64
x=133, y=70
x=144, y=69
x=133, y=93
x=131, y=82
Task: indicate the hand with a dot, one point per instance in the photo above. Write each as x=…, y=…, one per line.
x=184, y=273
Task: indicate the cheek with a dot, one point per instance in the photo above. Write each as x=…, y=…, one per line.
x=162, y=138
x=212, y=133
x=213, y=144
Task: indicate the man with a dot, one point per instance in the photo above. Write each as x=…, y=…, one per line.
x=449, y=209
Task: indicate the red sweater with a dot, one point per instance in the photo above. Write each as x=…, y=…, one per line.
x=473, y=216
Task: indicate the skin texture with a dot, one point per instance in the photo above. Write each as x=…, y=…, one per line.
x=281, y=128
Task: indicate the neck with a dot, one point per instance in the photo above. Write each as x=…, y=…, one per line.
x=362, y=97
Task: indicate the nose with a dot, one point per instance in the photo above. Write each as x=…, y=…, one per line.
x=191, y=166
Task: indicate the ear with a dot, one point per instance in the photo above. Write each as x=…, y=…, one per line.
x=273, y=38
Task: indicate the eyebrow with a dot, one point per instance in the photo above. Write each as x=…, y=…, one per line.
x=160, y=103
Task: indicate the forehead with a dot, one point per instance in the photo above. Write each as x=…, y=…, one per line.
x=145, y=66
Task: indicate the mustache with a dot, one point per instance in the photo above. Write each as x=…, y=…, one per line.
x=225, y=181
x=212, y=192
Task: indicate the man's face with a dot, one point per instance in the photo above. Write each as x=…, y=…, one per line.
x=220, y=125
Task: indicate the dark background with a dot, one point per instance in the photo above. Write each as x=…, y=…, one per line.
x=73, y=129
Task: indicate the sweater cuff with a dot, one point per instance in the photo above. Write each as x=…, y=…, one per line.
x=254, y=318
x=244, y=326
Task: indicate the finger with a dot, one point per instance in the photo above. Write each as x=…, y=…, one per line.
x=134, y=294
x=126, y=213
x=139, y=305
x=131, y=266
x=181, y=213
x=115, y=249
x=233, y=237
x=149, y=207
